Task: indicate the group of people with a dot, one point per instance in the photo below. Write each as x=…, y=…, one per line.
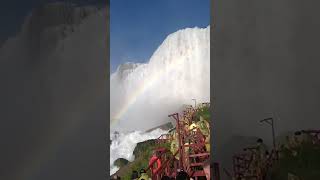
x=259, y=158
x=293, y=143
x=261, y=154
x=181, y=175
x=201, y=124
x=135, y=176
x=143, y=175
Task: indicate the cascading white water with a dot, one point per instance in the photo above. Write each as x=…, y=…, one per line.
x=142, y=95
x=123, y=145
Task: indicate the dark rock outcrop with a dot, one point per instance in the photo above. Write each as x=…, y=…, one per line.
x=121, y=162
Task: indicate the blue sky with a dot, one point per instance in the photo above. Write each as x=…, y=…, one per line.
x=138, y=27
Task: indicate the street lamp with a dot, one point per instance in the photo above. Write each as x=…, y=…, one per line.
x=270, y=122
x=195, y=103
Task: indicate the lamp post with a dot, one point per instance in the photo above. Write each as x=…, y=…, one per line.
x=270, y=122
x=195, y=103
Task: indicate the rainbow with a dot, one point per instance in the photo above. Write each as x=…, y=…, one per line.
x=147, y=84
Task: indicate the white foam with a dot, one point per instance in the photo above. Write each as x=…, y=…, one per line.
x=123, y=145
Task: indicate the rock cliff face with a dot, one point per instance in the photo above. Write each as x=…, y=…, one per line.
x=121, y=162
x=142, y=146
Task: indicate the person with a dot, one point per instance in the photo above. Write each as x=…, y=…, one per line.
x=143, y=175
x=203, y=126
x=289, y=147
x=182, y=175
x=134, y=175
x=116, y=177
x=174, y=146
x=297, y=138
x=193, y=126
x=293, y=141
x=306, y=138
x=262, y=148
x=186, y=126
x=262, y=152
x=205, y=130
x=287, y=144
x=165, y=178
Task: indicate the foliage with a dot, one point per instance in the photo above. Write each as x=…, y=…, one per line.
x=204, y=112
x=305, y=164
